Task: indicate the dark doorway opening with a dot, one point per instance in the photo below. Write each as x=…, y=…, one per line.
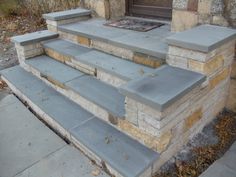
x=159, y=9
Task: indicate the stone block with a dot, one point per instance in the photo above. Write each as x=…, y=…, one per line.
x=83, y=41
x=180, y=4
x=181, y=23
x=192, y=119
x=222, y=75
x=207, y=68
x=204, y=6
x=111, y=49
x=147, y=60
x=231, y=102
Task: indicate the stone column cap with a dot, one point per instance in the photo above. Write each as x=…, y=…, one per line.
x=163, y=87
x=35, y=37
x=204, y=38
x=68, y=14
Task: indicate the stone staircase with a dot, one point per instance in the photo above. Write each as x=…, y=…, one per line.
x=108, y=91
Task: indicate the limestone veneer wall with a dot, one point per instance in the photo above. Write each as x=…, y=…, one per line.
x=190, y=13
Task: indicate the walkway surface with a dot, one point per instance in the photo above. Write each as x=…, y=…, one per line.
x=28, y=148
x=225, y=166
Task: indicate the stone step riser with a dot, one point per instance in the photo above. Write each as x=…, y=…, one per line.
x=98, y=73
x=63, y=132
x=75, y=97
x=127, y=54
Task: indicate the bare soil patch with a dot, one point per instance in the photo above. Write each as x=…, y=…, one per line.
x=12, y=26
x=205, y=148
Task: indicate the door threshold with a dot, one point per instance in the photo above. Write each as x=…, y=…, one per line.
x=165, y=21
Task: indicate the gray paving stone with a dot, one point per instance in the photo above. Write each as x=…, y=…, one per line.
x=218, y=170
x=114, y=65
x=24, y=140
x=229, y=160
x=68, y=162
x=166, y=85
x=202, y=38
x=34, y=37
x=60, y=108
x=66, y=48
x=63, y=15
x=102, y=94
x=54, y=69
x=122, y=153
x=135, y=41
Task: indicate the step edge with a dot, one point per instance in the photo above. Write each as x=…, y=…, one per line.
x=118, y=115
x=25, y=98
x=160, y=55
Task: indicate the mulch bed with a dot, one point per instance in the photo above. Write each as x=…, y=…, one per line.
x=225, y=129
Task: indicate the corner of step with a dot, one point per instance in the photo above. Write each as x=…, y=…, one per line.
x=163, y=87
x=68, y=14
x=34, y=37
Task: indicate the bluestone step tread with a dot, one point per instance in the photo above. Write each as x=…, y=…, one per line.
x=53, y=103
x=121, y=68
x=163, y=87
x=54, y=69
x=34, y=37
x=94, y=90
x=203, y=38
x=104, y=95
x=68, y=14
x=136, y=41
x=122, y=153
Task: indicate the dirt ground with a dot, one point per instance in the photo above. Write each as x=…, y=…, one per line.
x=12, y=26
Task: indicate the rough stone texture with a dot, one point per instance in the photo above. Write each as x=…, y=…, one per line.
x=218, y=12
x=98, y=7
x=180, y=22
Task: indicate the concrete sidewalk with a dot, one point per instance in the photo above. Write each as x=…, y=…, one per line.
x=30, y=149
x=225, y=166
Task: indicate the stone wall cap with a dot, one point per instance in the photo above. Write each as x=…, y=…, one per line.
x=203, y=38
x=68, y=14
x=35, y=37
x=162, y=88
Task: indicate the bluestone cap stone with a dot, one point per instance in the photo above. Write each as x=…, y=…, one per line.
x=163, y=87
x=35, y=37
x=203, y=38
x=63, y=15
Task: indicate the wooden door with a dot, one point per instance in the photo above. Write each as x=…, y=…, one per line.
x=150, y=8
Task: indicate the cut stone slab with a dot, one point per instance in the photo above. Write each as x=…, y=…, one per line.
x=68, y=14
x=163, y=87
x=34, y=37
x=122, y=153
x=24, y=140
x=121, y=68
x=60, y=108
x=102, y=94
x=92, y=89
x=68, y=162
x=66, y=48
x=131, y=40
x=54, y=69
x=203, y=38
